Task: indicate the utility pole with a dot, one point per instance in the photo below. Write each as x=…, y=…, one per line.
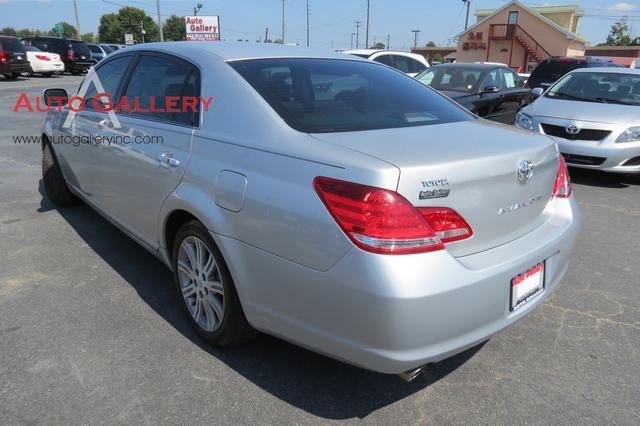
x=283, y=3
x=159, y=20
x=366, y=37
x=357, y=33
x=266, y=34
x=388, y=41
x=466, y=21
x=352, y=34
x=307, y=23
x=75, y=9
x=415, y=38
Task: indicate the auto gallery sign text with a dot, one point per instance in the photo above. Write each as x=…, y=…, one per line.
x=202, y=28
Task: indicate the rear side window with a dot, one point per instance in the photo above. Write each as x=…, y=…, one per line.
x=554, y=69
x=94, y=49
x=329, y=95
x=10, y=44
x=407, y=65
x=154, y=79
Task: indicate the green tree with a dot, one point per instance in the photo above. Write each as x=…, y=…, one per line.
x=379, y=45
x=113, y=26
x=174, y=28
x=8, y=31
x=430, y=44
x=88, y=37
x=109, y=30
x=278, y=41
x=68, y=30
x=25, y=32
x=437, y=58
x=619, y=35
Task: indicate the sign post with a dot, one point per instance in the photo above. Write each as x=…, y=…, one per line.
x=128, y=39
x=202, y=28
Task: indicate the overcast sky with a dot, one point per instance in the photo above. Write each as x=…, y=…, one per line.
x=331, y=21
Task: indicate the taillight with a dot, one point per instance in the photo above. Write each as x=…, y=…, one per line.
x=562, y=187
x=382, y=221
x=447, y=223
x=70, y=55
x=43, y=58
x=3, y=57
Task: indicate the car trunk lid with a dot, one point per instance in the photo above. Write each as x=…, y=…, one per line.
x=471, y=167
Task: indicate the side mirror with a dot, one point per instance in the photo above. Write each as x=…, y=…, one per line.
x=55, y=97
x=537, y=92
x=489, y=89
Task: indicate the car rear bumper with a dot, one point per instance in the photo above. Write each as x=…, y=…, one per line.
x=609, y=156
x=14, y=68
x=78, y=66
x=45, y=67
x=393, y=313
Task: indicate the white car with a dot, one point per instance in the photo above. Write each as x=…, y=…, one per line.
x=411, y=64
x=44, y=63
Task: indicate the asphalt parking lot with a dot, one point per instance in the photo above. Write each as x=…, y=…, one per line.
x=90, y=330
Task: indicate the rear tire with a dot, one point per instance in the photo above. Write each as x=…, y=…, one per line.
x=53, y=180
x=75, y=72
x=205, y=288
x=47, y=74
x=11, y=76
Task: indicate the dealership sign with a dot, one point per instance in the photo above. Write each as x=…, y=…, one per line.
x=475, y=41
x=202, y=28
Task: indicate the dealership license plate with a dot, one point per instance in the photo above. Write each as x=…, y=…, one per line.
x=527, y=286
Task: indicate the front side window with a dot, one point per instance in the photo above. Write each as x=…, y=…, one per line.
x=110, y=75
x=329, y=95
x=156, y=78
x=452, y=79
x=511, y=79
x=601, y=87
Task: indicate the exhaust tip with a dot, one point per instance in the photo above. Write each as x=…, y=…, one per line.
x=409, y=375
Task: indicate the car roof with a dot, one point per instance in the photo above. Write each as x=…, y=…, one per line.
x=470, y=65
x=610, y=70
x=374, y=51
x=230, y=51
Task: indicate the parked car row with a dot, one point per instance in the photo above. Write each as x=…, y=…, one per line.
x=47, y=55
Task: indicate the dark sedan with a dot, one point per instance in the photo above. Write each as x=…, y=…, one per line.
x=491, y=91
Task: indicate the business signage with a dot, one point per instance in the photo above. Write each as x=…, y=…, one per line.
x=202, y=28
x=475, y=41
x=128, y=39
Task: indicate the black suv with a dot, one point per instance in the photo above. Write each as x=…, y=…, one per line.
x=13, y=57
x=550, y=70
x=74, y=53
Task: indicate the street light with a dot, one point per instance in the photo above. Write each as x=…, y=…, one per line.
x=196, y=9
x=466, y=21
x=352, y=34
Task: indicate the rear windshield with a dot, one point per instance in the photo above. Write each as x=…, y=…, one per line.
x=95, y=49
x=333, y=95
x=601, y=87
x=11, y=44
x=106, y=48
x=554, y=69
x=80, y=47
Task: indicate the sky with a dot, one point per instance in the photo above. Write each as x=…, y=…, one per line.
x=331, y=21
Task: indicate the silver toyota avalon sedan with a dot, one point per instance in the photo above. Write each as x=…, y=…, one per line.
x=325, y=199
x=594, y=115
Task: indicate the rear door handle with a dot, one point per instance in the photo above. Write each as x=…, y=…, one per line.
x=168, y=159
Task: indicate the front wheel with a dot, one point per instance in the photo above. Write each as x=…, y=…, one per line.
x=53, y=180
x=206, y=289
x=11, y=76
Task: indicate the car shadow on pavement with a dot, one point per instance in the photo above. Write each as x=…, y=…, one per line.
x=314, y=383
x=602, y=179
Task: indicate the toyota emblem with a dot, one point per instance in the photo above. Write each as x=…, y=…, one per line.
x=572, y=129
x=525, y=172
